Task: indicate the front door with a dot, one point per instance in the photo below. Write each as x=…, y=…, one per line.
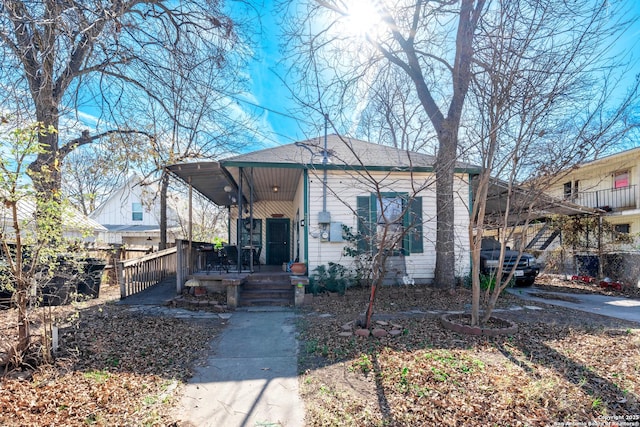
x=277, y=241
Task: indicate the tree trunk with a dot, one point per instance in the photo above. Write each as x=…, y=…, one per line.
x=45, y=173
x=445, y=236
x=24, y=333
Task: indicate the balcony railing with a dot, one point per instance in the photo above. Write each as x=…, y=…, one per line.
x=612, y=199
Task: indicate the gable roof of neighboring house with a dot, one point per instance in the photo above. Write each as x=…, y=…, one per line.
x=125, y=189
x=72, y=219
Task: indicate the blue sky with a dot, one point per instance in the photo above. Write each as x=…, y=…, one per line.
x=268, y=98
x=268, y=92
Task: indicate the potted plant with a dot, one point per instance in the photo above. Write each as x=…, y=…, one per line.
x=299, y=268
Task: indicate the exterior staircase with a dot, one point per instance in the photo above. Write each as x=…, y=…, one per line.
x=543, y=238
x=266, y=289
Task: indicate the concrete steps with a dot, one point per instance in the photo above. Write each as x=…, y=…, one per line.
x=266, y=289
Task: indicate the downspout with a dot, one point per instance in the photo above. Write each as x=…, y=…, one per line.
x=470, y=220
x=250, y=221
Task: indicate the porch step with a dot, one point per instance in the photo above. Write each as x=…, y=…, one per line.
x=267, y=289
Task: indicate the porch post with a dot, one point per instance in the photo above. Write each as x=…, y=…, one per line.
x=250, y=182
x=189, y=263
x=239, y=222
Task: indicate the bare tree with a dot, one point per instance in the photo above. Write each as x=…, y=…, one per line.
x=432, y=42
x=59, y=54
x=394, y=116
x=27, y=263
x=440, y=46
x=92, y=173
x=204, y=122
x=540, y=111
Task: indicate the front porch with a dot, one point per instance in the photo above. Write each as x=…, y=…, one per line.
x=269, y=287
x=247, y=284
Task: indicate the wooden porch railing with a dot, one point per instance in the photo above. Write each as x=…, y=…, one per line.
x=188, y=260
x=136, y=275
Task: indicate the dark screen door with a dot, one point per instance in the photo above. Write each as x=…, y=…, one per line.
x=277, y=241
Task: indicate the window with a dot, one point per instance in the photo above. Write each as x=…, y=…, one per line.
x=251, y=235
x=621, y=179
x=395, y=210
x=136, y=211
x=567, y=190
x=570, y=192
x=390, y=210
x=622, y=228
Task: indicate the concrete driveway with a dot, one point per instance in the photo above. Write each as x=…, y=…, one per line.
x=616, y=307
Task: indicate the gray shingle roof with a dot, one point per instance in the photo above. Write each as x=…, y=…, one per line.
x=341, y=151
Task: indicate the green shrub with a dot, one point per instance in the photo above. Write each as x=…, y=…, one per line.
x=334, y=278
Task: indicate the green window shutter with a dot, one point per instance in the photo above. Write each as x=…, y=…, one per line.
x=415, y=222
x=364, y=222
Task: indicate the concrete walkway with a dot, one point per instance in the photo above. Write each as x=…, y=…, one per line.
x=250, y=375
x=616, y=307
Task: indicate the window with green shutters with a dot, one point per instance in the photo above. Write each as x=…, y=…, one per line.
x=398, y=212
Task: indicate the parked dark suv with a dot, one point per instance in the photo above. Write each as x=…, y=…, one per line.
x=525, y=272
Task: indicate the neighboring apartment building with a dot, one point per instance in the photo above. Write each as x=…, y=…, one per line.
x=610, y=184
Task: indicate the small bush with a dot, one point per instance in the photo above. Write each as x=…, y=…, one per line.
x=334, y=278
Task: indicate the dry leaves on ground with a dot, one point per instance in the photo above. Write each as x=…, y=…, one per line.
x=562, y=365
x=114, y=367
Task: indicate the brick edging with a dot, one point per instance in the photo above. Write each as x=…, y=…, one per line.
x=476, y=330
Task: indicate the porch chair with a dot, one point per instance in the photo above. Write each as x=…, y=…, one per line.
x=216, y=261
x=232, y=256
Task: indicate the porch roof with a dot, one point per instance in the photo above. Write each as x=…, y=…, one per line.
x=208, y=178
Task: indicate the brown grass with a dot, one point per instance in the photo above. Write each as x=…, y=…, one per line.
x=562, y=365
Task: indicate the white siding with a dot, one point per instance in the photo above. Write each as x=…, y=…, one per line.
x=341, y=201
x=118, y=209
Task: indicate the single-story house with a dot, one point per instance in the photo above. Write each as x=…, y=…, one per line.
x=292, y=202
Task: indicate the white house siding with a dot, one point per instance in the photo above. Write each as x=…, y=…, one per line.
x=343, y=190
x=461, y=225
x=118, y=209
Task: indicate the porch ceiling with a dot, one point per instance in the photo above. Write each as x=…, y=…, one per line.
x=210, y=179
x=265, y=180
